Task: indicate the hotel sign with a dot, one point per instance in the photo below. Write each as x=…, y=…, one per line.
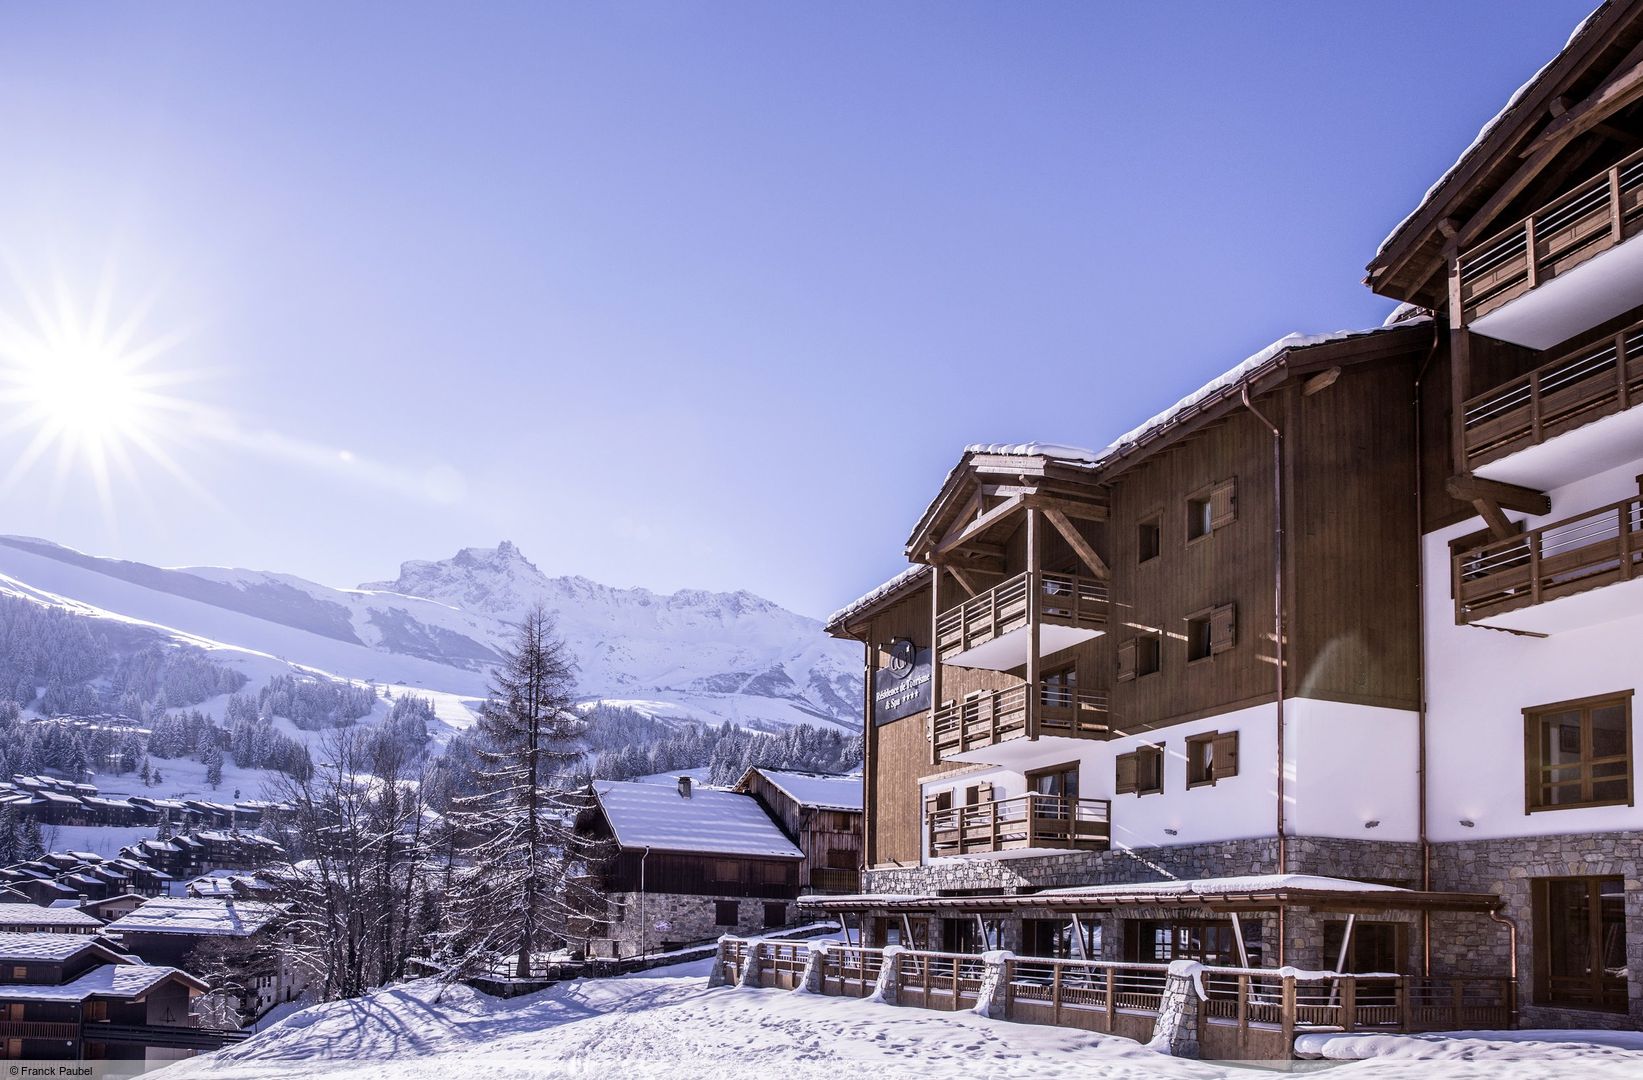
x=902, y=686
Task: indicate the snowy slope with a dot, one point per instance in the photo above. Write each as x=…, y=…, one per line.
x=440, y=626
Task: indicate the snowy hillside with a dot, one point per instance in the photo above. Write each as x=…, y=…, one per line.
x=696, y=655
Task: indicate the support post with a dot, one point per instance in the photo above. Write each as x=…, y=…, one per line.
x=1035, y=593
x=1238, y=936
x=935, y=654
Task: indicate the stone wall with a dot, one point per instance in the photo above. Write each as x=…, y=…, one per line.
x=676, y=920
x=1506, y=867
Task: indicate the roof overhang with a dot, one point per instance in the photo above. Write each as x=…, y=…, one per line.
x=1257, y=900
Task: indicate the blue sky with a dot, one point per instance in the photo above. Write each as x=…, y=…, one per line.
x=676, y=294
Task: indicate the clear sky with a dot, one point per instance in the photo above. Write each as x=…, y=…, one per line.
x=677, y=294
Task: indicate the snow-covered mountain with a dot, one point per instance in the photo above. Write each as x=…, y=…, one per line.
x=440, y=626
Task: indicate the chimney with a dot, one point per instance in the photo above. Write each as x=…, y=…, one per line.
x=684, y=787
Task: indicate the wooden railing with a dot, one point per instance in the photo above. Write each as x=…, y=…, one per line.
x=1000, y=715
x=1587, y=221
x=39, y=1029
x=781, y=963
x=827, y=879
x=1596, y=548
x=1023, y=821
x=1585, y=385
x=1063, y=599
x=1358, y=1002
x=938, y=980
x=1059, y=991
x=849, y=970
x=734, y=956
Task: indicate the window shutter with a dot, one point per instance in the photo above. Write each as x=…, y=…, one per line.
x=1226, y=754
x=1223, y=504
x=976, y=794
x=1126, y=661
x=1126, y=774
x=1223, y=628
x=932, y=805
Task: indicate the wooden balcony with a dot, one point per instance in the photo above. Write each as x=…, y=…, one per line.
x=1596, y=216
x=992, y=717
x=1557, y=397
x=1024, y=821
x=39, y=1029
x=1575, y=555
x=990, y=630
x=826, y=879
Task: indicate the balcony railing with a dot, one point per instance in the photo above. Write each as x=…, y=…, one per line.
x=827, y=879
x=997, y=716
x=1556, y=397
x=1064, y=599
x=1024, y=821
x=1591, y=219
x=39, y=1029
x=1596, y=548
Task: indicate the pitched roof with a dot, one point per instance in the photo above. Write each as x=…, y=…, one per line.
x=51, y=948
x=108, y=980
x=817, y=790
x=903, y=581
x=709, y=822
x=204, y=917
x=30, y=915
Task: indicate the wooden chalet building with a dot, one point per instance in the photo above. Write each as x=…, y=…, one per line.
x=822, y=815
x=1362, y=611
x=688, y=864
x=70, y=997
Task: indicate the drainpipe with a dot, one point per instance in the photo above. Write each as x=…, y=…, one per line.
x=644, y=923
x=1277, y=615
x=1511, y=964
x=1420, y=649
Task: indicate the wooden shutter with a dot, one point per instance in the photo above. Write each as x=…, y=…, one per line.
x=1223, y=504
x=1126, y=774
x=1223, y=628
x=1126, y=661
x=976, y=794
x=1226, y=754
x=932, y=805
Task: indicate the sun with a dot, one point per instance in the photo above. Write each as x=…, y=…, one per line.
x=88, y=389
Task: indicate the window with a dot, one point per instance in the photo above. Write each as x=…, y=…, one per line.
x=727, y=872
x=773, y=873
x=1375, y=946
x=1211, y=631
x=1059, y=689
x=726, y=912
x=1148, y=539
x=1141, y=771
x=1198, y=637
x=1060, y=781
x=1578, y=753
x=1580, y=942
x=775, y=915
x=1211, y=756
x=1138, y=656
x=19, y=972
x=1212, y=508
x=1208, y=941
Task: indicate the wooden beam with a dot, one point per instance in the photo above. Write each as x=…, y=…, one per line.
x=1490, y=511
x=1076, y=541
x=1083, y=511
x=1320, y=382
x=979, y=526
x=1620, y=90
x=1469, y=488
x=962, y=578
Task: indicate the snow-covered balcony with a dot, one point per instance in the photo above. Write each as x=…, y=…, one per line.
x=993, y=726
x=1581, y=571
x=1574, y=264
x=993, y=630
x=1567, y=419
x=1024, y=823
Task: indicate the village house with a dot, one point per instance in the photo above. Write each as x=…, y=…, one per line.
x=1327, y=665
x=822, y=815
x=70, y=997
x=688, y=863
x=33, y=919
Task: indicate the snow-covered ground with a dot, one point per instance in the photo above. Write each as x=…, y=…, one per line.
x=667, y=1023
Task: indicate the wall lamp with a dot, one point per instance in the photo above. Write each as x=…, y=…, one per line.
x=1468, y=823
x=1372, y=824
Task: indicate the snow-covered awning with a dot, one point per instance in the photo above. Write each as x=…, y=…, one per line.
x=1244, y=892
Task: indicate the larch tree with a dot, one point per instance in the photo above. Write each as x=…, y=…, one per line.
x=523, y=883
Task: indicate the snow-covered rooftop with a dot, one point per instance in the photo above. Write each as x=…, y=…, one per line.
x=52, y=948
x=109, y=980
x=190, y=915
x=818, y=790
x=29, y=915
x=708, y=821
x=901, y=581
x=1238, y=885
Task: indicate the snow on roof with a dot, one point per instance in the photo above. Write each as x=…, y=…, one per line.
x=49, y=947
x=190, y=915
x=29, y=915
x=709, y=821
x=896, y=584
x=1249, y=883
x=1487, y=130
x=817, y=789
x=1035, y=449
x=108, y=980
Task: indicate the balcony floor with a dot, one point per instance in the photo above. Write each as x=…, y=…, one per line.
x=1022, y=753
x=1602, y=288
x=1592, y=448
x=1595, y=606
x=1008, y=651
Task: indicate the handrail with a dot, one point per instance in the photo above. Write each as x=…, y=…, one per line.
x=1064, y=599
x=1021, y=821
x=1590, y=218
x=1573, y=389
x=1558, y=559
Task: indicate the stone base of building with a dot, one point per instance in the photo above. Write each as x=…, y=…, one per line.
x=660, y=922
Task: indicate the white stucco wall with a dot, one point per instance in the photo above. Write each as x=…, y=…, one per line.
x=1479, y=682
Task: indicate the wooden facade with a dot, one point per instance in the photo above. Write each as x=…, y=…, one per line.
x=829, y=836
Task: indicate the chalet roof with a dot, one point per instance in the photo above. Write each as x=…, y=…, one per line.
x=709, y=821
x=816, y=790
x=197, y=916
x=30, y=915
x=901, y=583
x=44, y=946
x=1503, y=147
x=108, y=980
